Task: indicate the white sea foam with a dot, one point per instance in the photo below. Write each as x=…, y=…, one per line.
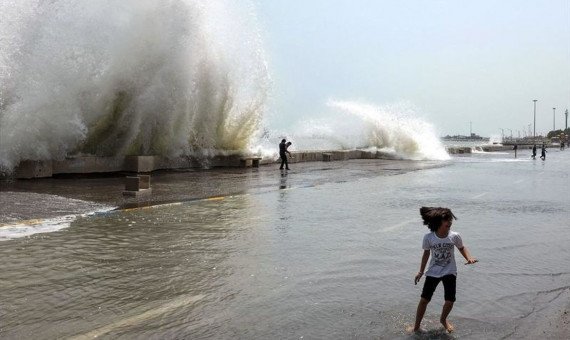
x=129, y=77
x=393, y=129
x=17, y=230
x=9, y=231
x=27, y=213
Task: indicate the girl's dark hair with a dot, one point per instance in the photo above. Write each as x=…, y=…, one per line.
x=433, y=216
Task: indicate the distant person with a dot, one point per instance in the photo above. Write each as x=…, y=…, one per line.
x=533, y=152
x=515, y=148
x=543, y=153
x=283, y=154
x=439, y=243
x=562, y=146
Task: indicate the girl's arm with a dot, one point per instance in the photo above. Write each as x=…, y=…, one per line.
x=425, y=258
x=467, y=255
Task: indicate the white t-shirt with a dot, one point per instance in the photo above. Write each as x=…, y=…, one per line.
x=442, y=260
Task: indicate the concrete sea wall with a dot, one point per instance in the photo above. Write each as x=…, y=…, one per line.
x=145, y=164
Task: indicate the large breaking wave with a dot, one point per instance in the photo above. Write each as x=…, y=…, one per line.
x=133, y=77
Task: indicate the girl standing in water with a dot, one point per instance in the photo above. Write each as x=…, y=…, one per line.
x=439, y=243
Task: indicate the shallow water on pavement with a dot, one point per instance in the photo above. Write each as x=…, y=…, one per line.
x=314, y=254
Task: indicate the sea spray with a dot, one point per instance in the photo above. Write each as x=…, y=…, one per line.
x=394, y=129
x=128, y=78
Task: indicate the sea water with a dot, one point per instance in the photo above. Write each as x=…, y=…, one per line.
x=325, y=251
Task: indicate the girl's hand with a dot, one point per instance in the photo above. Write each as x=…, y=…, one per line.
x=418, y=277
x=471, y=261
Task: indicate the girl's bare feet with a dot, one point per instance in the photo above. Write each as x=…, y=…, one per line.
x=413, y=329
x=448, y=326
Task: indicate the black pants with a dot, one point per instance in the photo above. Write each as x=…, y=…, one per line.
x=449, y=286
x=284, y=161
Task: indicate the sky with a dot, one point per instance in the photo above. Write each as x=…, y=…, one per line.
x=464, y=65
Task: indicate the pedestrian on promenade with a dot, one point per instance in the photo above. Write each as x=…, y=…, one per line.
x=283, y=154
x=533, y=152
x=439, y=243
x=515, y=148
x=543, y=152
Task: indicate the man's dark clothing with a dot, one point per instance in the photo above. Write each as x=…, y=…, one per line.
x=283, y=155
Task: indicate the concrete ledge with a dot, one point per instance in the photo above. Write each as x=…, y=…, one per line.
x=306, y=156
x=230, y=161
x=146, y=164
x=183, y=162
x=34, y=169
x=88, y=164
x=459, y=150
x=140, y=163
x=253, y=162
x=383, y=155
x=491, y=148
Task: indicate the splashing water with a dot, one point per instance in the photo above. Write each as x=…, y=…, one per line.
x=392, y=129
x=496, y=139
x=135, y=77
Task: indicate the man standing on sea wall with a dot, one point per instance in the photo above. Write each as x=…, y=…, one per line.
x=283, y=154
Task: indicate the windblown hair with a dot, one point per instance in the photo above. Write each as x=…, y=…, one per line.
x=433, y=216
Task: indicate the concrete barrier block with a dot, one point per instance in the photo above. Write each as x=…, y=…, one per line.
x=132, y=183
x=34, y=169
x=137, y=186
x=144, y=182
x=140, y=163
x=138, y=194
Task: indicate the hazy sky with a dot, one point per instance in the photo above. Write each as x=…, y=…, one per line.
x=456, y=61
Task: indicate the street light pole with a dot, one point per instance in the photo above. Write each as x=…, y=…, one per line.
x=534, y=124
x=553, y=119
x=566, y=113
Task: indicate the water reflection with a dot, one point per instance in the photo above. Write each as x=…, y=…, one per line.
x=283, y=180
